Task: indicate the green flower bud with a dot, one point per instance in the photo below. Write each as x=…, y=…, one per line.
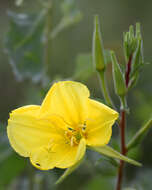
x=98, y=49
x=131, y=41
x=118, y=77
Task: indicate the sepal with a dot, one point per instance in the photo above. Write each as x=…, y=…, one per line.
x=110, y=152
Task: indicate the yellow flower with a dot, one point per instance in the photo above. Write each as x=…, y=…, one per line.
x=56, y=133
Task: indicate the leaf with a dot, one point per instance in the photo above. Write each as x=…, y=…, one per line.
x=110, y=152
x=139, y=135
x=68, y=172
x=84, y=67
x=24, y=45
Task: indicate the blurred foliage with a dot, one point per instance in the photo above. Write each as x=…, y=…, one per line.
x=24, y=45
x=24, y=31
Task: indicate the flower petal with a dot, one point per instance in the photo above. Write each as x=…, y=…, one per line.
x=67, y=99
x=26, y=131
x=100, y=113
x=60, y=155
x=100, y=135
x=99, y=123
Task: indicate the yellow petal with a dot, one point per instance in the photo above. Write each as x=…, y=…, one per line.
x=100, y=135
x=70, y=155
x=100, y=113
x=99, y=123
x=42, y=158
x=60, y=155
x=68, y=100
x=26, y=131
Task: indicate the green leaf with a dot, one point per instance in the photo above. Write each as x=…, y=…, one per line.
x=110, y=152
x=84, y=67
x=68, y=172
x=24, y=45
x=138, y=137
x=97, y=48
x=119, y=81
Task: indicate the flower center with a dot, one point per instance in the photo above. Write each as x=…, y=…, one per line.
x=74, y=135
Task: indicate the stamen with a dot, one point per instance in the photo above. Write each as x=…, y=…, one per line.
x=72, y=141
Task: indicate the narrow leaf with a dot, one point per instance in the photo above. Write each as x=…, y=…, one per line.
x=139, y=135
x=108, y=151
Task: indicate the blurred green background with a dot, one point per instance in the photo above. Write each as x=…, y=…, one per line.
x=116, y=16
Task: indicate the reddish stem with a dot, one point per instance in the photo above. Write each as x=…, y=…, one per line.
x=122, y=128
x=123, y=148
x=128, y=70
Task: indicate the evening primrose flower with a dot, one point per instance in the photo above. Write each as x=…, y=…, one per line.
x=57, y=133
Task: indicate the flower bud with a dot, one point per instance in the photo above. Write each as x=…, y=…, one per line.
x=118, y=77
x=98, y=49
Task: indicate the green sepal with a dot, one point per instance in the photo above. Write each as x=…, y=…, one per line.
x=139, y=135
x=118, y=77
x=68, y=172
x=110, y=152
x=137, y=59
x=98, y=49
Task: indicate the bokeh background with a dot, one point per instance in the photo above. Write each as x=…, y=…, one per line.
x=67, y=50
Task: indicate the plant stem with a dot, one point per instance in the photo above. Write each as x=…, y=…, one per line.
x=104, y=89
x=122, y=125
x=123, y=148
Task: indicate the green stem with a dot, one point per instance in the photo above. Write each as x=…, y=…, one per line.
x=123, y=145
x=104, y=89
